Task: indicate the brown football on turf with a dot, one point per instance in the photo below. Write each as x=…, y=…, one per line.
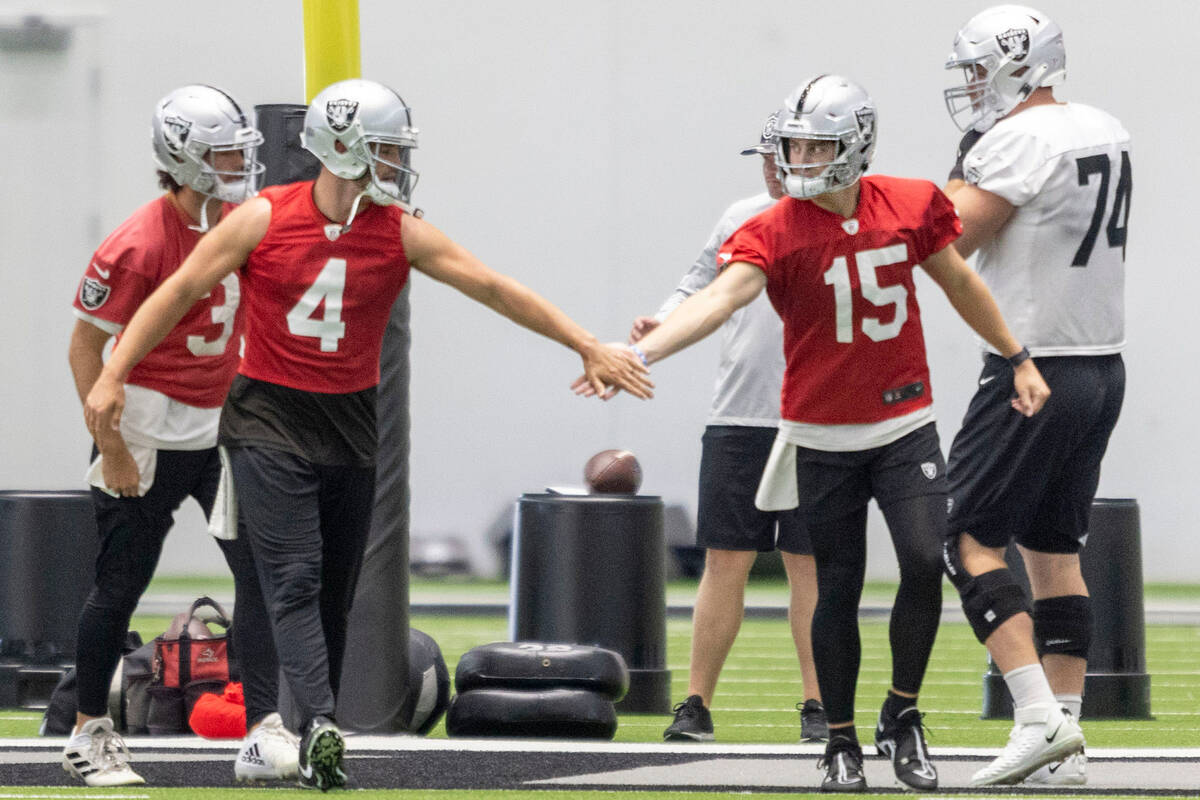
x=613, y=472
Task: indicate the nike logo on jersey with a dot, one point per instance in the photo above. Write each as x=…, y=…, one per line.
x=987, y=380
x=723, y=258
x=103, y=273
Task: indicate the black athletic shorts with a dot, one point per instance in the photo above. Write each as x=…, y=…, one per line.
x=1033, y=479
x=731, y=466
x=834, y=484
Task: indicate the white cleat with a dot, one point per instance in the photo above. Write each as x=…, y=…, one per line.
x=1042, y=734
x=270, y=752
x=97, y=755
x=1071, y=771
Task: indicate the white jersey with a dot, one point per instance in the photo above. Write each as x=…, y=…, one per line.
x=1057, y=267
x=750, y=372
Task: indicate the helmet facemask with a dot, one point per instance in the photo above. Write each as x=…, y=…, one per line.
x=388, y=160
x=828, y=108
x=835, y=173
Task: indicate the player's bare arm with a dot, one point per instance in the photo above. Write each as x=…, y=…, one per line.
x=606, y=366
x=705, y=311
x=982, y=213
x=973, y=301
x=221, y=251
x=86, y=357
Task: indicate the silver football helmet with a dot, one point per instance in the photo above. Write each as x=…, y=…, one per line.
x=193, y=123
x=1005, y=53
x=365, y=117
x=830, y=108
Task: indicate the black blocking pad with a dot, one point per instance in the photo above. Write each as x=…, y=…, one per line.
x=548, y=714
x=539, y=666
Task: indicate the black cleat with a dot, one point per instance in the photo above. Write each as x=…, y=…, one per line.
x=692, y=722
x=813, y=725
x=843, y=765
x=902, y=739
x=321, y=752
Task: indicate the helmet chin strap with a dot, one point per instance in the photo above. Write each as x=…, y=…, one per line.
x=204, y=226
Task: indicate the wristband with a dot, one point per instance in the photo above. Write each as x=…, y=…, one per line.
x=1019, y=358
x=637, y=351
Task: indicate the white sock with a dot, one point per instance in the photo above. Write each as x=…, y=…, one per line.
x=1028, y=686
x=1072, y=702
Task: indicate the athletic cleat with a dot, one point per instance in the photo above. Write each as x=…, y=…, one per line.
x=843, y=765
x=902, y=739
x=1071, y=771
x=270, y=752
x=813, y=725
x=98, y=756
x=1042, y=734
x=321, y=752
x=693, y=722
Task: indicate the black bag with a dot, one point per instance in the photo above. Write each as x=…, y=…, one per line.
x=59, y=717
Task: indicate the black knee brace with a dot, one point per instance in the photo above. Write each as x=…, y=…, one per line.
x=1063, y=625
x=991, y=599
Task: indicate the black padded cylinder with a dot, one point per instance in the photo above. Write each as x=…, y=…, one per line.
x=1116, y=685
x=591, y=570
x=48, y=546
x=285, y=159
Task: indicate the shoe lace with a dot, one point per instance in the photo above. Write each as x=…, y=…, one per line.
x=685, y=710
x=108, y=750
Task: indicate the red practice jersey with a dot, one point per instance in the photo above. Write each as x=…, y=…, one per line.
x=844, y=289
x=318, y=300
x=197, y=360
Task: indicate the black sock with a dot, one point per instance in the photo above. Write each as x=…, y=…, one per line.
x=896, y=704
x=839, y=738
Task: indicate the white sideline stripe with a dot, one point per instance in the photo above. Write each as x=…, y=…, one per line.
x=355, y=743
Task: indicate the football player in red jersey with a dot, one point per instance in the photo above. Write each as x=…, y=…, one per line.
x=166, y=446
x=836, y=258
x=321, y=263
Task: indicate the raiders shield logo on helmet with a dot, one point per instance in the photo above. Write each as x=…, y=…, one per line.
x=175, y=132
x=340, y=114
x=1014, y=42
x=93, y=293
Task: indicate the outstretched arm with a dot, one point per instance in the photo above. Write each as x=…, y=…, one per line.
x=974, y=303
x=605, y=366
x=220, y=251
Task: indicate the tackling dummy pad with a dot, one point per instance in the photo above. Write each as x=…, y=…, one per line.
x=538, y=666
x=547, y=714
x=533, y=689
x=428, y=682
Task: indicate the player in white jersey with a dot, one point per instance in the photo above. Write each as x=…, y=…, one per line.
x=741, y=428
x=1043, y=190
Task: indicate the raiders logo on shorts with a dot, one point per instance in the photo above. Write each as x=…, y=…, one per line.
x=93, y=293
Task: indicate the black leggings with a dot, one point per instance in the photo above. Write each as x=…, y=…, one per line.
x=307, y=524
x=132, y=531
x=840, y=547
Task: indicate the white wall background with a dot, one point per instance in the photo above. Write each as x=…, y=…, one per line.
x=587, y=149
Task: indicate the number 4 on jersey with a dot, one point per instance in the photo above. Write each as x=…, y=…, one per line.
x=326, y=290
